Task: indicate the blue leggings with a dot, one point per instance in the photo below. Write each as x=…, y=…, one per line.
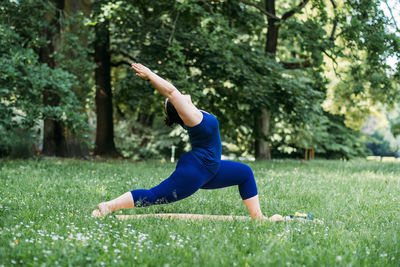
x=190, y=175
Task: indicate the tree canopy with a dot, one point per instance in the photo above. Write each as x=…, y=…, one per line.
x=281, y=76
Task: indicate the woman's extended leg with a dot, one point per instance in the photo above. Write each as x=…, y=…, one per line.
x=253, y=205
x=188, y=177
x=124, y=201
x=234, y=173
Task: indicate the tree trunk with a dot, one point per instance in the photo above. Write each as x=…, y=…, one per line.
x=262, y=121
x=75, y=146
x=262, y=149
x=105, y=128
x=54, y=143
x=273, y=29
x=73, y=6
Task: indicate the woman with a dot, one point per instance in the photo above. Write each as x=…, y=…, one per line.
x=201, y=168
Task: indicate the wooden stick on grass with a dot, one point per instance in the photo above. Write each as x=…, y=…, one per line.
x=183, y=216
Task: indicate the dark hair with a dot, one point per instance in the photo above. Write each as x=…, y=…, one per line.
x=172, y=115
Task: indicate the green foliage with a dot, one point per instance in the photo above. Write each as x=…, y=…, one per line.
x=214, y=51
x=326, y=133
x=396, y=129
x=206, y=52
x=380, y=146
x=18, y=142
x=335, y=140
x=383, y=131
x=366, y=79
x=24, y=80
x=138, y=142
x=73, y=56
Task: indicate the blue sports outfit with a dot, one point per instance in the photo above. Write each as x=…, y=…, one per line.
x=201, y=168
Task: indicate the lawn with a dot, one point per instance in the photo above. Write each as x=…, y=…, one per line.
x=46, y=204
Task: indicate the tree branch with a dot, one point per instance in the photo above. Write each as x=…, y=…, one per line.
x=119, y=111
x=296, y=65
x=269, y=14
x=391, y=13
x=330, y=56
x=125, y=54
x=210, y=6
x=335, y=22
x=173, y=29
x=335, y=64
x=119, y=63
x=295, y=10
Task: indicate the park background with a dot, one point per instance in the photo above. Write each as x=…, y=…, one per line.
x=77, y=127
x=281, y=76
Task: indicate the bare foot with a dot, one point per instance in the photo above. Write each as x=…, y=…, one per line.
x=96, y=213
x=276, y=218
x=103, y=210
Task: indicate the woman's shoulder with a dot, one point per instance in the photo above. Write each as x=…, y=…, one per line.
x=210, y=118
x=205, y=112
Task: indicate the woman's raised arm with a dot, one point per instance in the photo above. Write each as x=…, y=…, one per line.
x=189, y=114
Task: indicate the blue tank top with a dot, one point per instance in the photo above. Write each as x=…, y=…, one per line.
x=206, y=142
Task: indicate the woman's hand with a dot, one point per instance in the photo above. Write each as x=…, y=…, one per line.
x=141, y=71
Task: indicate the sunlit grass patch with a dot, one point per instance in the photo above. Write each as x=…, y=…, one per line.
x=383, y=159
x=45, y=208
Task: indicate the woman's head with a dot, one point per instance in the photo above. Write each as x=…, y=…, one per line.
x=172, y=115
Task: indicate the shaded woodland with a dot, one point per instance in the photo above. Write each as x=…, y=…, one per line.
x=282, y=77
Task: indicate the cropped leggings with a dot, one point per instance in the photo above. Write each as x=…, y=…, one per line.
x=190, y=175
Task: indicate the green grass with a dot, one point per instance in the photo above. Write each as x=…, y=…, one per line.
x=45, y=207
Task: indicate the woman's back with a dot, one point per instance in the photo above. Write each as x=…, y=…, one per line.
x=206, y=142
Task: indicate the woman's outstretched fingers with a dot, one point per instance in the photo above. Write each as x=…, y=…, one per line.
x=141, y=71
x=134, y=67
